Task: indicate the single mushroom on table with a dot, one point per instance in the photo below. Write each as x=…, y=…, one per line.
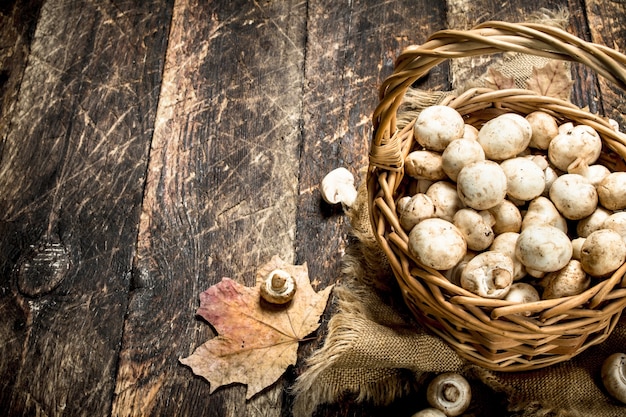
x=613, y=375
x=429, y=412
x=338, y=187
x=450, y=393
x=279, y=287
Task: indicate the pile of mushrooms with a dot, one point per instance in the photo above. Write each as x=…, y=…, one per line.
x=519, y=210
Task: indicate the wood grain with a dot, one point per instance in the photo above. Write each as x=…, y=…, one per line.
x=221, y=194
x=606, y=23
x=71, y=180
x=149, y=148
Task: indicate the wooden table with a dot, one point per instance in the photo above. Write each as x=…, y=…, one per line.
x=150, y=148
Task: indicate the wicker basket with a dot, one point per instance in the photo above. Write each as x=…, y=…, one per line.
x=491, y=333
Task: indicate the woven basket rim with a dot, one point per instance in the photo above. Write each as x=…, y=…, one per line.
x=563, y=324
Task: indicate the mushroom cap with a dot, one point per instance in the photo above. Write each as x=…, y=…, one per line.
x=613, y=375
x=581, y=141
x=568, y=281
x=338, y=187
x=504, y=136
x=437, y=243
x=521, y=293
x=489, y=274
x=525, y=179
x=476, y=228
x=437, y=126
x=602, y=252
x=507, y=216
x=593, y=222
x=544, y=128
x=449, y=392
x=429, y=412
x=279, y=287
x=458, y=153
x=412, y=210
x=424, y=165
x=574, y=196
x=612, y=191
x=482, y=185
x=541, y=211
x=445, y=198
x=543, y=248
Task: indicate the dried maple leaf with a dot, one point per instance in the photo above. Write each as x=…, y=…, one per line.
x=498, y=81
x=552, y=80
x=255, y=344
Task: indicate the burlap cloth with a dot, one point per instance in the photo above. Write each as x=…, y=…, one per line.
x=374, y=351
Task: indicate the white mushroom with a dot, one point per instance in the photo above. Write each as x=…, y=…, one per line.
x=429, y=412
x=504, y=136
x=574, y=196
x=505, y=243
x=566, y=128
x=571, y=280
x=437, y=126
x=602, y=252
x=544, y=128
x=593, y=222
x=437, y=243
x=525, y=179
x=550, y=175
x=482, y=185
x=540, y=160
x=613, y=375
x=507, y=217
x=612, y=191
x=577, y=247
x=454, y=274
x=489, y=274
x=522, y=293
x=617, y=223
x=476, y=227
x=412, y=210
x=445, y=198
x=594, y=173
x=338, y=187
x=450, y=393
x=458, y=153
x=470, y=132
x=279, y=287
x=543, y=248
x=541, y=211
x=582, y=141
x=424, y=165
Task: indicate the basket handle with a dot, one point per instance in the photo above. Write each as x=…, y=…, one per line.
x=484, y=39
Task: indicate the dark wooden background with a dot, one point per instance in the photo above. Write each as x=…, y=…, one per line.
x=151, y=147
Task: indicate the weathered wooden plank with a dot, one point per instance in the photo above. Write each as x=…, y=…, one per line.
x=351, y=48
x=606, y=23
x=221, y=194
x=71, y=179
x=17, y=23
